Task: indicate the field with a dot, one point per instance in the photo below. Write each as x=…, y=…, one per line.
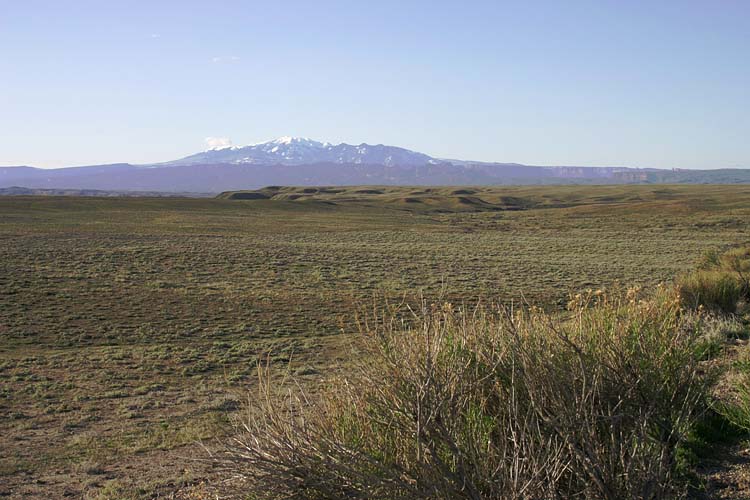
x=130, y=328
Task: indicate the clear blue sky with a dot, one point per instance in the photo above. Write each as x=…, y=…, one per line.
x=636, y=83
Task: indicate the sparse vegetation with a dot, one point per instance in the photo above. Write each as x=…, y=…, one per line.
x=130, y=327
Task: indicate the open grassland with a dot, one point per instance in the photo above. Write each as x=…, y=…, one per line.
x=129, y=328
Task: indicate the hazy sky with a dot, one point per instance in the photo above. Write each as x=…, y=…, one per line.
x=634, y=83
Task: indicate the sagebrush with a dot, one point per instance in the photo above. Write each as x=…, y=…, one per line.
x=489, y=402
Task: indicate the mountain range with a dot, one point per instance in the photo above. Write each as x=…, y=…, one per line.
x=303, y=151
x=305, y=162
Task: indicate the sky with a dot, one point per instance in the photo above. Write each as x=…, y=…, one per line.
x=611, y=83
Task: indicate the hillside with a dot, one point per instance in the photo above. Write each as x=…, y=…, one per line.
x=497, y=198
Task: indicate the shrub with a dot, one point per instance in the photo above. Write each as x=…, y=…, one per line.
x=488, y=403
x=737, y=261
x=720, y=282
x=714, y=290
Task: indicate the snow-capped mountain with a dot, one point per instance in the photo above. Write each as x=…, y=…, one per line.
x=290, y=161
x=303, y=151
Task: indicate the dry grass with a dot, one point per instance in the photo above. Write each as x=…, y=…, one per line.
x=716, y=290
x=720, y=283
x=489, y=403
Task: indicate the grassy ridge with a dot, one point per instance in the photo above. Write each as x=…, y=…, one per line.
x=466, y=199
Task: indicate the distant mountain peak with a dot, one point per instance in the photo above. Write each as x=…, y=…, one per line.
x=288, y=140
x=289, y=150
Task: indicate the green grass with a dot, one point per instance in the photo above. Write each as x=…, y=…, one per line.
x=118, y=314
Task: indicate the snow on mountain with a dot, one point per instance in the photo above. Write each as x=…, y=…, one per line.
x=304, y=151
